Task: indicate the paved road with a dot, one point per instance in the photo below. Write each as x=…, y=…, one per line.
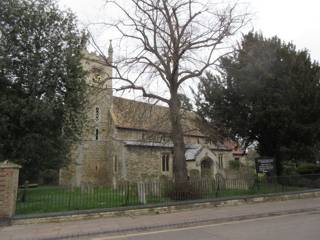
x=303, y=226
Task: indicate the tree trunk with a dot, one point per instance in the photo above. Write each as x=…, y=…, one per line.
x=179, y=160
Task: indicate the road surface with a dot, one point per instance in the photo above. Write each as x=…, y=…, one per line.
x=302, y=226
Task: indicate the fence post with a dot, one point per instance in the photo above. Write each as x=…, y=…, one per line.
x=142, y=192
x=9, y=175
x=218, y=186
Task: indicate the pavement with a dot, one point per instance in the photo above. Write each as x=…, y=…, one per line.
x=116, y=227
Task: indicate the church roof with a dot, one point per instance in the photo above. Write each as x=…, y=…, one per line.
x=137, y=115
x=235, y=147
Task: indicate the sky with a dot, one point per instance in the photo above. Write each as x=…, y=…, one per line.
x=293, y=21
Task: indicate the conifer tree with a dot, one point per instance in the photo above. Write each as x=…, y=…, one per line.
x=268, y=93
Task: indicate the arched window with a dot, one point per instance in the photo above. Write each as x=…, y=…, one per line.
x=97, y=114
x=220, y=157
x=165, y=162
x=97, y=134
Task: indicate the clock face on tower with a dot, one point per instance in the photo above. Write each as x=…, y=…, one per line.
x=97, y=78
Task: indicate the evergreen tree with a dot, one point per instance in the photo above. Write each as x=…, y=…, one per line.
x=42, y=87
x=268, y=92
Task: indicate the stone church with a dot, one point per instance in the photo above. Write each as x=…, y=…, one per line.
x=127, y=140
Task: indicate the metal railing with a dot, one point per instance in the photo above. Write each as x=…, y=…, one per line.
x=46, y=199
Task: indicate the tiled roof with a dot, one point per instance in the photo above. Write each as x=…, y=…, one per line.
x=144, y=116
x=236, y=149
x=192, y=153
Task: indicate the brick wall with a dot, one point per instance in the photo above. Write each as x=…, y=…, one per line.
x=9, y=174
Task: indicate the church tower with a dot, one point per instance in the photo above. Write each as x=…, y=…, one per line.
x=91, y=159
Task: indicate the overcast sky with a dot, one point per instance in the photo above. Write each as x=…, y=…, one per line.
x=292, y=20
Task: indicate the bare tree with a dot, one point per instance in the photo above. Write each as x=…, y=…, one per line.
x=173, y=41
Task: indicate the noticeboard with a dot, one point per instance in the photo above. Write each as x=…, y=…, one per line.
x=264, y=165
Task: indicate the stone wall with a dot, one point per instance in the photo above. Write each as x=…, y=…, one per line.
x=91, y=165
x=194, y=170
x=119, y=162
x=91, y=158
x=145, y=163
x=137, y=163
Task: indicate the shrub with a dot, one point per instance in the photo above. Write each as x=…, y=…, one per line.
x=49, y=177
x=316, y=183
x=289, y=169
x=308, y=168
x=183, y=191
x=235, y=164
x=304, y=182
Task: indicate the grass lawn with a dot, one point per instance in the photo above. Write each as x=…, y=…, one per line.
x=58, y=199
